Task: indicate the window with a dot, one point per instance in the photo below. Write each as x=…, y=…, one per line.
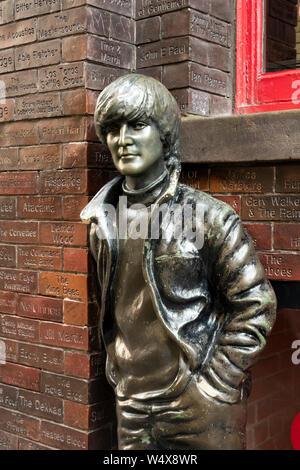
x=268, y=55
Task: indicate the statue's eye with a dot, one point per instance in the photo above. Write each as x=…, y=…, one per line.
x=139, y=125
x=113, y=129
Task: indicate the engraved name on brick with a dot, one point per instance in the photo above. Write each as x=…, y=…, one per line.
x=18, y=232
x=7, y=256
x=8, y=159
x=63, y=233
x=41, y=356
x=63, y=182
x=73, y=286
x=18, y=33
x=62, y=24
x=7, y=208
x=43, y=157
x=61, y=77
x=246, y=180
x=64, y=387
x=18, y=281
x=163, y=52
x=279, y=207
x=209, y=28
x=19, y=328
x=38, y=257
x=24, y=9
x=39, y=207
x=8, y=302
x=37, y=55
x=32, y=107
x=7, y=60
x=20, y=83
x=145, y=8
x=39, y=307
x=18, y=183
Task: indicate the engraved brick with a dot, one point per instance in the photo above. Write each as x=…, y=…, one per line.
x=74, y=337
x=286, y=237
x=195, y=176
x=168, y=51
x=220, y=106
x=75, y=259
x=108, y=52
x=25, y=9
x=79, y=313
x=72, y=286
x=288, y=179
x=195, y=23
x=63, y=233
x=72, y=206
x=11, y=350
x=18, y=232
x=18, y=183
x=17, y=33
x=63, y=437
x=281, y=266
x=241, y=180
x=19, y=328
x=40, y=257
x=192, y=101
x=84, y=365
x=63, y=130
x=8, y=302
x=18, y=281
x=7, y=208
x=61, y=386
x=40, y=207
x=8, y=159
x=37, y=106
x=196, y=76
x=19, y=424
x=123, y=7
x=6, y=11
x=63, y=182
x=121, y=28
x=7, y=256
x=233, y=201
x=85, y=154
x=37, y=55
x=6, y=110
x=19, y=133
x=97, y=77
x=25, y=444
x=148, y=30
x=61, y=77
x=8, y=441
x=278, y=207
x=86, y=417
x=21, y=376
x=62, y=24
x=144, y=8
x=43, y=157
x=42, y=357
x=261, y=235
x=42, y=308
x=7, y=61
x=19, y=83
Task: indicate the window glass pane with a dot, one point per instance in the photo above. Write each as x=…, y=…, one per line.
x=282, y=37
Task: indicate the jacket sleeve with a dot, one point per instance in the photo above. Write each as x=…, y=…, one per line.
x=249, y=306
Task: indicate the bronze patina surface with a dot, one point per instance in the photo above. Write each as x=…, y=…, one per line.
x=183, y=316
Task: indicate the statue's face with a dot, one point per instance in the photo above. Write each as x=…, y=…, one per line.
x=135, y=146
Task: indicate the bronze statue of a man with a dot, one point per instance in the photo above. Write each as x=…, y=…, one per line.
x=181, y=321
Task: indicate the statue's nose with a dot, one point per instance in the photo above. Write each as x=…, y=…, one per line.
x=124, y=137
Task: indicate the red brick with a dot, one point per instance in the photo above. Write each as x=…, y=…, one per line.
x=233, y=201
x=40, y=257
x=286, y=237
x=63, y=182
x=7, y=256
x=265, y=367
x=8, y=302
x=72, y=206
x=21, y=376
x=20, y=83
x=18, y=281
x=43, y=308
x=194, y=176
x=192, y=101
x=37, y=106
x=84, y=365
x=7, y=61
x=86, y=154
x=61, y=77
x=37, y=55
x=25, y=444
x=6, y=110
x=264, y=409
x=75, y=259
x=282, y=442
x=69, y=388
x=62, y=437
x=41, y=357
x=8, y=208
x=19, y=424
x=79, y=102
x=18, y=133
x=7, y=12
x=241, y=179
x=18, y=232
x=219, y=57
x=63, y=130
x=288, y=179
x=143, y=9
x=43, y=157
x=277, y=343
x=40, y=207
x=76, y=415
x=11, y=350
x=8, y=441
x=18, y=183
x=64, y=233
x=17, y=33
x=154, y=72
x=281, y=266
x=222, y=9
x=74, y=337
x=8, y=158
x=261, y=432
x=122, y=28
x=19, y=328
x=251, y=414
x=261, y=235
x=77, y=313
x=97, y=76
x=26, y=9
x=250, y=439
x=148, y=30
x=72, y=286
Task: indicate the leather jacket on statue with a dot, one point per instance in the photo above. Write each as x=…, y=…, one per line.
x=214, y=302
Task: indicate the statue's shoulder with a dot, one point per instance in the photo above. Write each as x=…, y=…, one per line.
x=187, y=194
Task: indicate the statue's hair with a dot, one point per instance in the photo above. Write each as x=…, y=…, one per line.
x=134, y=97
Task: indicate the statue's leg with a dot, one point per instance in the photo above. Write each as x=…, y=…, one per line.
x=134, y=425
x=194, y=421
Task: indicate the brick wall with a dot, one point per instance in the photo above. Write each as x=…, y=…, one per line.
x=267, y=198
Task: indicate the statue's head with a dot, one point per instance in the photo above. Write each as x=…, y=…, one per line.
x=136, y=99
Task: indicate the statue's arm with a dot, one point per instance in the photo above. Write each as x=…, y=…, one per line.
x=249, y=310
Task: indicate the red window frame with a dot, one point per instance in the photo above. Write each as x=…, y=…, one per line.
x=258, y=92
